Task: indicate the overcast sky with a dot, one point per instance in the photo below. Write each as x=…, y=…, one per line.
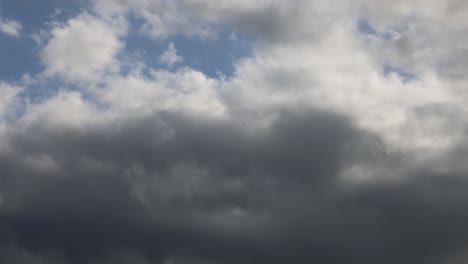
x=233, y=132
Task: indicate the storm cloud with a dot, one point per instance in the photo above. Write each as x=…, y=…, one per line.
x=172, y=187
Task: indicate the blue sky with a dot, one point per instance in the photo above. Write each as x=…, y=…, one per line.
x=213, y=56
x=19, y=54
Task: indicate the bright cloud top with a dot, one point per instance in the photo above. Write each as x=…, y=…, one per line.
x=81, y=50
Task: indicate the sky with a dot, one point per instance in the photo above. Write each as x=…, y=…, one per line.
x=233, y=132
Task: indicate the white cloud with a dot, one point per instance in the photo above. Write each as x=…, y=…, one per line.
x=10, y=27
x=426, y=34
x=185, y=90
x=65, y=111
x=8, y=94
x=170, y=56
x=161, y=19
x=83, y=49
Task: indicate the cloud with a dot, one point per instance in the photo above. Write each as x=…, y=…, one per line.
x=170, y=56
x=167, y=186
x=7, y=95
x=316, y=149
x=160, y=18
x=10, y=27
x=164, y=173
x=426, y=34
x=185, y=90
x=82, y=49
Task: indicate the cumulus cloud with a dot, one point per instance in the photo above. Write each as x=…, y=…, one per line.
x=317, y=149
x=10, y=27
x=82, y=49
x=170, y=56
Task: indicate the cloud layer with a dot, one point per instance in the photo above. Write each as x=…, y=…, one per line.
x=341, y=139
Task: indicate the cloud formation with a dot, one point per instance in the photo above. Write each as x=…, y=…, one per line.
x=82, y=50
x=170, y=57
x=340, y=139
x=10, y=27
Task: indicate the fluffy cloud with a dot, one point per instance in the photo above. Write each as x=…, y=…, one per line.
x=10, y=27
x=341, y=139
x=82, y=49
x=186, y=90
x=170, y=57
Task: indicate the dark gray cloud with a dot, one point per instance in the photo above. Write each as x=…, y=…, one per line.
x=180, y=189
x=271, y=22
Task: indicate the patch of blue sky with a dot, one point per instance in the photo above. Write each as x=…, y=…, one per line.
x=33, y=92
x=402, y=74
x=365, y=27
x=34, y=14
x=42, y=89
x=212, y=56
x=19, y=55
